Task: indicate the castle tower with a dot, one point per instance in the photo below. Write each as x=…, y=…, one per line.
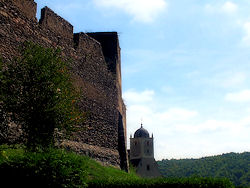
x=142, y=154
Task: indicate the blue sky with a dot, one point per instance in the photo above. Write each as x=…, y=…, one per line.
x=185, y=68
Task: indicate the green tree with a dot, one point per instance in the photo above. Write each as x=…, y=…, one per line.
x=36, y=92
x=234, y=166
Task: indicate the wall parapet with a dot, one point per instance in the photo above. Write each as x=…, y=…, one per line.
x=83, y=41
x=57, y=24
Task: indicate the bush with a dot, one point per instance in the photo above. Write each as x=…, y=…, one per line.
x=36, y=92
x=53, y=168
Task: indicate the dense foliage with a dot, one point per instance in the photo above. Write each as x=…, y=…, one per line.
x=57, y=168
x=53, y=168
x=234, y=166
x=36, y=92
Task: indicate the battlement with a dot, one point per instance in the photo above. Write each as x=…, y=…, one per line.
x=110, y=47
x=57, y=24
x=83, y=41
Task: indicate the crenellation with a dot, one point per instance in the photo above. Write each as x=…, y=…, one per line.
x=58, y=25
x=83, y=42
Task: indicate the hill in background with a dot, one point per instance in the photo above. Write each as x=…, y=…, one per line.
x=234, y=166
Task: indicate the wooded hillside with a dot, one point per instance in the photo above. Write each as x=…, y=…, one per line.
x=234, y=166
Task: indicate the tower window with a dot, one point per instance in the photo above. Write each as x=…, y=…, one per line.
x=148, y=167
x=147, y=143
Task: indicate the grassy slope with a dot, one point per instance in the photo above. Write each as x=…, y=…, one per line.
x=57, y=168
x=58, y=165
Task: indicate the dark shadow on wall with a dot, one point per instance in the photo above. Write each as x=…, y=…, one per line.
x=122, y=145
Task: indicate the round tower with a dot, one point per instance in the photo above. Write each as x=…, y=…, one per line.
x=142, y=153
x=141, y=145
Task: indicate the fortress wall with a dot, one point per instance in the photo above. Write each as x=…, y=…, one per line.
x=111, y=51
x=110, y=45
x=98, y=93
x=98, y=82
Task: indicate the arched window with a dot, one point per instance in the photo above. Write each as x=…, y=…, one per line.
x=148, y=167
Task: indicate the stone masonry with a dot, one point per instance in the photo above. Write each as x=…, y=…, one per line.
x=96, y=66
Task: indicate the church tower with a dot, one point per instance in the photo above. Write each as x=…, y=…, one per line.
x=142, y=154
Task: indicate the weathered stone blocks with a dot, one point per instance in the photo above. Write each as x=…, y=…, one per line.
x=27, y=7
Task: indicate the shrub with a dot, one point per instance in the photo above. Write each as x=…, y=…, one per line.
x=53, y=168
x=36, y=92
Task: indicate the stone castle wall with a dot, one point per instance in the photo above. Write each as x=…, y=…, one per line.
x=96, y=70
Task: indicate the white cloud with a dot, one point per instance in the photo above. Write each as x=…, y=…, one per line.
x=211, y=137
x=241, y=96
x=140, y=10
x=216, y=125
x=132, y=96
x=143, y=105
x=228, y=79
x=229, y=7
x=182, y=132
x=175, y=114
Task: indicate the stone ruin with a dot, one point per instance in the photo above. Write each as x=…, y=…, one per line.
x=96, y=65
